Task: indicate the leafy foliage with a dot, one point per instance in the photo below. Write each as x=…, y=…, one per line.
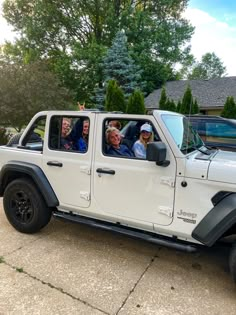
x=187, y=102
x=74, y=37
x=229, y=110
x=27, y=89
x=163, y=99
x=165, y=103
x=136, y=103
x=4, y=136
x=118, y=65
x=115, y=100
x=210, y=67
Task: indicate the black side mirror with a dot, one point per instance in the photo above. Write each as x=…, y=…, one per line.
x=156, y=152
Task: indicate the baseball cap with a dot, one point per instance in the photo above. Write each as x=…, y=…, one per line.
x=146, y=127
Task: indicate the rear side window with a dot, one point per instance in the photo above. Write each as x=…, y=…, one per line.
x=69, y=134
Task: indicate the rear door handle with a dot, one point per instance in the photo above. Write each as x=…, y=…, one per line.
x=105, y=171
x=54, y=163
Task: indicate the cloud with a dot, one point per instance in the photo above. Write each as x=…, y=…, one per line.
x=6, y=30
x=212, y=35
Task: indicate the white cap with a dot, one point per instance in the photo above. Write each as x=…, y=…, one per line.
x=146, y=127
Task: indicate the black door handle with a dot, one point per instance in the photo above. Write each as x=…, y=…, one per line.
x=105, y=171
x=54, y=163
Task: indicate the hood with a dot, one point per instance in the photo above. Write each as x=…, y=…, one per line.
x=223, y=167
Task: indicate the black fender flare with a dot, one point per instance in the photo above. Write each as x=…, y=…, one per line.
x=16, y=169
x=220, y=219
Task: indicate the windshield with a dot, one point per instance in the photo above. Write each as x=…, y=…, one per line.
x=182, y=132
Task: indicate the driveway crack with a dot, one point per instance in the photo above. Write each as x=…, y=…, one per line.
x=20, y=270
x=136, y=283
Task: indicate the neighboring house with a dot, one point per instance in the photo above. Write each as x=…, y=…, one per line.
x=210, y=94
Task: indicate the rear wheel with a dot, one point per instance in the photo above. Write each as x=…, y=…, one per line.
x=232, y=262
x=25, y=207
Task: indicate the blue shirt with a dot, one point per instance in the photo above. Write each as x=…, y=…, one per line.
x=81, y=145
x=139, y=150
x=122, y=151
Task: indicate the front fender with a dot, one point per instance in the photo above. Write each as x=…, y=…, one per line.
x=16, y=169
x=220, y=219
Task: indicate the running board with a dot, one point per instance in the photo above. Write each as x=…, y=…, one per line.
x=146, y=236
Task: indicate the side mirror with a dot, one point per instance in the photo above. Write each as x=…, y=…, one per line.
x=156, y=152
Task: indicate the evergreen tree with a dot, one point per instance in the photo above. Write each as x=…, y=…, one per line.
x=115, y=100
x=178, y=107
x=171, y=106
x=118, y=65
x=136, y=103
x=187, y=102
x=229, y=110
x=163, y=99
x=195, y=107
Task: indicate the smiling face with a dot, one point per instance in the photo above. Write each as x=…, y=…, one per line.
x=114, y=139
x=85, y=128
x=146, y=135
x=65, y=128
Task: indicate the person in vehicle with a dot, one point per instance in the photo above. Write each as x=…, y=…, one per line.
x=113, y=138
x=140, y=146
x=115, y=123
x=66, y=142
x=82, y=142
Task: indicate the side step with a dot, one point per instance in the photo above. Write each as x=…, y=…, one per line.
x=146, y=236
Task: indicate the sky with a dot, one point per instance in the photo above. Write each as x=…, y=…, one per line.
x=215, y=30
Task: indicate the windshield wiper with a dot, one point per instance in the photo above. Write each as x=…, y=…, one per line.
x=192, y=148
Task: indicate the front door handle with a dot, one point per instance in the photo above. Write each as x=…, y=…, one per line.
x=54, y=163
x=105, y=171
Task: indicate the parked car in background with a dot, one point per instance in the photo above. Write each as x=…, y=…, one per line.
x=215, y=131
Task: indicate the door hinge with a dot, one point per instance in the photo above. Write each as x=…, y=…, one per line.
x=85, y=169
x=85, y=195
x=166, y=211
x=168, y=181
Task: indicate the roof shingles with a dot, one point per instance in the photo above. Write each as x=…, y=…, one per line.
x=209, y=93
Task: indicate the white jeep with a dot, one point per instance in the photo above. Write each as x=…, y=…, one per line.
x=183, y=195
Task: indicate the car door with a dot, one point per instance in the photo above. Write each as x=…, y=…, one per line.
x=67, y=169
x=132, y=189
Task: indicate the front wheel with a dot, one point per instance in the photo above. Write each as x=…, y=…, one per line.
x=232, y=262
x=25, y=207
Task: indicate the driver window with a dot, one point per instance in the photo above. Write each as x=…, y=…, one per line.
x=128, y=138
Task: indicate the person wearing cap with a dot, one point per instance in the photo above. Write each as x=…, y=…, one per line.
x=113, y=138
x=140, y=146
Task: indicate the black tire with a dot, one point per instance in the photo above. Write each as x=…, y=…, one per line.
x=25, y=207
x=232, y=262
x=14, y=139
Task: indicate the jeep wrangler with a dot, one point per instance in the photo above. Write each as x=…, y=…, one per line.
x=183, y=195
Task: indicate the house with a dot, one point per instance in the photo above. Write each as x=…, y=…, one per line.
x=210, y=94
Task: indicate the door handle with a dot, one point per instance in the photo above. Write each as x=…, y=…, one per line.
x=54, y=163
x=105, y=171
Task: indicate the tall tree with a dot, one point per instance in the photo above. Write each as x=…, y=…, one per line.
x=229, y=110
x=187, y=102
x=76, y=34
x=119, y=66
x=136, y=103
x=115, y=100
x=25, y=90
x=210, y=67
x=163, y=99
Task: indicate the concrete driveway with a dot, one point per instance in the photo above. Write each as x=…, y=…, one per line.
x=75, y=269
